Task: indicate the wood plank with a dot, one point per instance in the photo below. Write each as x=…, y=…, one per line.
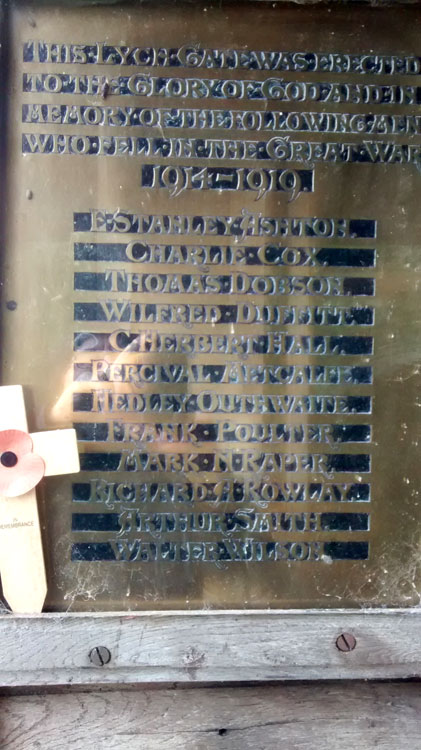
x=297, y=717
x=202, y=647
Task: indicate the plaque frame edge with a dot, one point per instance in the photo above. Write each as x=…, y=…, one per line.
x=203, y=646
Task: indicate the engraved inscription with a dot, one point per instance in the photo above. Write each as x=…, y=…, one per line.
x=128, y=308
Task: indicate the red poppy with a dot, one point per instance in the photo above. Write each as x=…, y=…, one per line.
x=20, y=469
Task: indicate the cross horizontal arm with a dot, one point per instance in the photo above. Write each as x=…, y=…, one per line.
x=58, y=449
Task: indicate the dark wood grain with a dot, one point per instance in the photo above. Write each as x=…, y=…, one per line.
x=385, y=716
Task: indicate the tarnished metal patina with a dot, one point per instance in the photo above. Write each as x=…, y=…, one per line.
x=212, y=268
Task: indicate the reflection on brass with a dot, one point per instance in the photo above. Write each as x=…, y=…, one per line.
x=217, y=281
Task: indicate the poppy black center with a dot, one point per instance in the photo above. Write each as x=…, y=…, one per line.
x=8, y=459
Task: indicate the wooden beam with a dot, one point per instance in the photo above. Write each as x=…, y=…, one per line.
x=199, y=647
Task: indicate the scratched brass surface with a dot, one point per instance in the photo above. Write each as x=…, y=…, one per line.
x=300, y=492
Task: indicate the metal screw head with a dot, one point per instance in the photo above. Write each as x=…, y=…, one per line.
x=99, y=656
x=346, y=642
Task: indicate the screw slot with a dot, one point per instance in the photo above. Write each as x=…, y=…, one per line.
x=8, y=459
x=100, y=656
x=346, y=642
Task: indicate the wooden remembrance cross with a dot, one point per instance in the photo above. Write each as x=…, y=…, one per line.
x=24, y=460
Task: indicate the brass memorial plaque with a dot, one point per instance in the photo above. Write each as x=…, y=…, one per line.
x=212, y=268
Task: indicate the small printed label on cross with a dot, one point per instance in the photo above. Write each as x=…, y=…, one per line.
x=24, y=460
